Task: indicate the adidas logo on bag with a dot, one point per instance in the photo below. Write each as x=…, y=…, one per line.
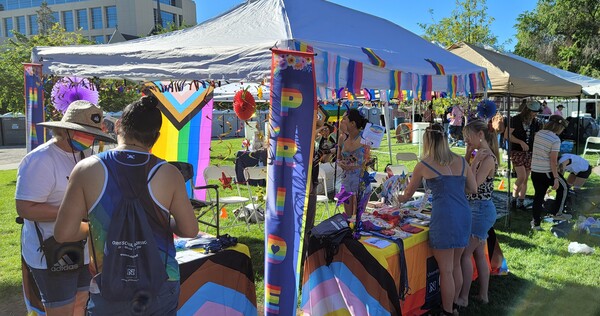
x=64, y=264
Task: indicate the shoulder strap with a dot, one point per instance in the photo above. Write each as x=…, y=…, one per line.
x=41, y=239
x=430, y=167
x=462, y=172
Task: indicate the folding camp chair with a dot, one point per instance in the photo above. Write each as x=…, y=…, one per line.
x=256, y=205
x=202, y=208
x=592, y=149
x=212, y=173
x=323, y=198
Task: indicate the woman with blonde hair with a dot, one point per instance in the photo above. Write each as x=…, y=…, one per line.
x=479, y=137
x=449, y=178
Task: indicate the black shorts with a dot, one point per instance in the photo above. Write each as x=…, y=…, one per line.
x=584, y=174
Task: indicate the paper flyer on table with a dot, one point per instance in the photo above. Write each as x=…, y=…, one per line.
x=378, y=242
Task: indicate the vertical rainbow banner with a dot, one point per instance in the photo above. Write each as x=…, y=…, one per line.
x=452, y=85
x=426, y=87
x=34, y=105
x=186, y=130
x=291, y=135
x=395, y=85
x=355, y=76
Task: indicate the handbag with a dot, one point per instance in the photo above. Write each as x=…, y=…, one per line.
x=61, y=257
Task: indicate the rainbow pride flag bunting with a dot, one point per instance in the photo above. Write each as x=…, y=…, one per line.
x=472, y=84
x=452, y=85
x=373, y=58
x=355, y=76
x=426, y=87
x=303, y=47
x=395, y=83
x=334, y=63
x=439, y=69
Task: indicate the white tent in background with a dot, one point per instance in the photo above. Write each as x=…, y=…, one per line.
x=590, y=86
x=235, y=46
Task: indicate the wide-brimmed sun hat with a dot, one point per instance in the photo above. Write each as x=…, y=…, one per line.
x=534, y=106
x=82, y=116
x=560, y=106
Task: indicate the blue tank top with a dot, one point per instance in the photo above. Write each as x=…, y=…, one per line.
x=130, y=165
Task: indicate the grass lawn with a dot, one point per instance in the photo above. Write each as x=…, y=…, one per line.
x=544, y=278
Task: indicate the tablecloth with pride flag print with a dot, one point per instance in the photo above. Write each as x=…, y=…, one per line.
x=363, y=277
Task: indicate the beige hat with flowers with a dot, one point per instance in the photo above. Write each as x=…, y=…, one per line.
x=82, y=116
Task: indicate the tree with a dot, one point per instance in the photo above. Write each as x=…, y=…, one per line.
x=468, y=23
x=45, y=18
x=16, y=51
x=562, y=33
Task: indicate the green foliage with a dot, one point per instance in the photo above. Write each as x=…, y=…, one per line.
x=562, y=33
x=17, y=50
x=468, y=23
x=116, y=94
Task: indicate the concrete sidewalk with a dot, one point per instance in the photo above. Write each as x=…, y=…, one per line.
x=10, y=157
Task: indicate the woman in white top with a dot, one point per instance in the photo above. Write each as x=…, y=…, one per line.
x=544, y=164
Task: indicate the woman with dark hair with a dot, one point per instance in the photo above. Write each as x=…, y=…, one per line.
x=544, y=166
x=96, y=189
x=449, y=178
x=352, y=155
x=523, y=127
x=478, y=136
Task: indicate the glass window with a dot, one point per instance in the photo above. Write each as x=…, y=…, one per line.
x=8, y=26
x=68, y=21
x=96, y=18
x=21, y=24
x=82, y=19
x=111, y=16
x=167, y=18
x=56, y=18
x=98, y=39
x=169, y=2
x=33, y=25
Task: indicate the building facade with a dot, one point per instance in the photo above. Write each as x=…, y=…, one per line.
x=96, y=19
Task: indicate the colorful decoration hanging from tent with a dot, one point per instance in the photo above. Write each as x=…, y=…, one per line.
x=452, y=85
x=395, y=84
x=244, y=104
x=187, y=125
x=69, y=89
x=303, y=47
x=373, y=58
x=426, y=87
x=293, y=107
x=355, y=76
x=439, y=69
x=334, y=63
x=34, y=105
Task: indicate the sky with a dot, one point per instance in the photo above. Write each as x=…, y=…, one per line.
x=407, y=13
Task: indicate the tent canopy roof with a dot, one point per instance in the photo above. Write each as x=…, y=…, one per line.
x=235, y=46
x=510, y=75
x=591, y=86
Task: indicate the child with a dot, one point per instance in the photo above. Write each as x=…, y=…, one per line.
x=578, y=167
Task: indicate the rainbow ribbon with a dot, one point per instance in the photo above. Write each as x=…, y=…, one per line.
x=426, y=87
x=373, y=58
x=439, y=69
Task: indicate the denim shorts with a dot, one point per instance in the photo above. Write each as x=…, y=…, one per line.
x=484, y=217
x=164, y=304
x=59, y=288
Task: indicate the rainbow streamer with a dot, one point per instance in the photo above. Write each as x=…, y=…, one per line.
x=334, y=63
x=373, y=58
x=303, y=47
x=186, y=140
x=426, y=87
x=452, y=85
x=355, y=76
x=395, y=84
x=439, y=69
x=472, y=84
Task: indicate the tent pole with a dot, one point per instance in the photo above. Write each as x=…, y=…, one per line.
x=386, y=120
x=508, y=187
x=337, y=145
x=577, y=122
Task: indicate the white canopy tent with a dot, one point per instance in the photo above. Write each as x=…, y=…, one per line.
x=590, y=86
x=235, y=46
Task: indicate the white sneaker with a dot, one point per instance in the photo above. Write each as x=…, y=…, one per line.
x=535, y=227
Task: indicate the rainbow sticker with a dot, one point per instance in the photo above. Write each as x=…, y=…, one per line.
x=276, y=249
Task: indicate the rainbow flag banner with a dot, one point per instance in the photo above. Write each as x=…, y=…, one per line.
x=186, y=130
x=395, y=85
x=34, y=105
x=439, y=69
x=303, y=47
x=426, y=87
x=373, y=58
x=292, y=129
x=355, y=76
